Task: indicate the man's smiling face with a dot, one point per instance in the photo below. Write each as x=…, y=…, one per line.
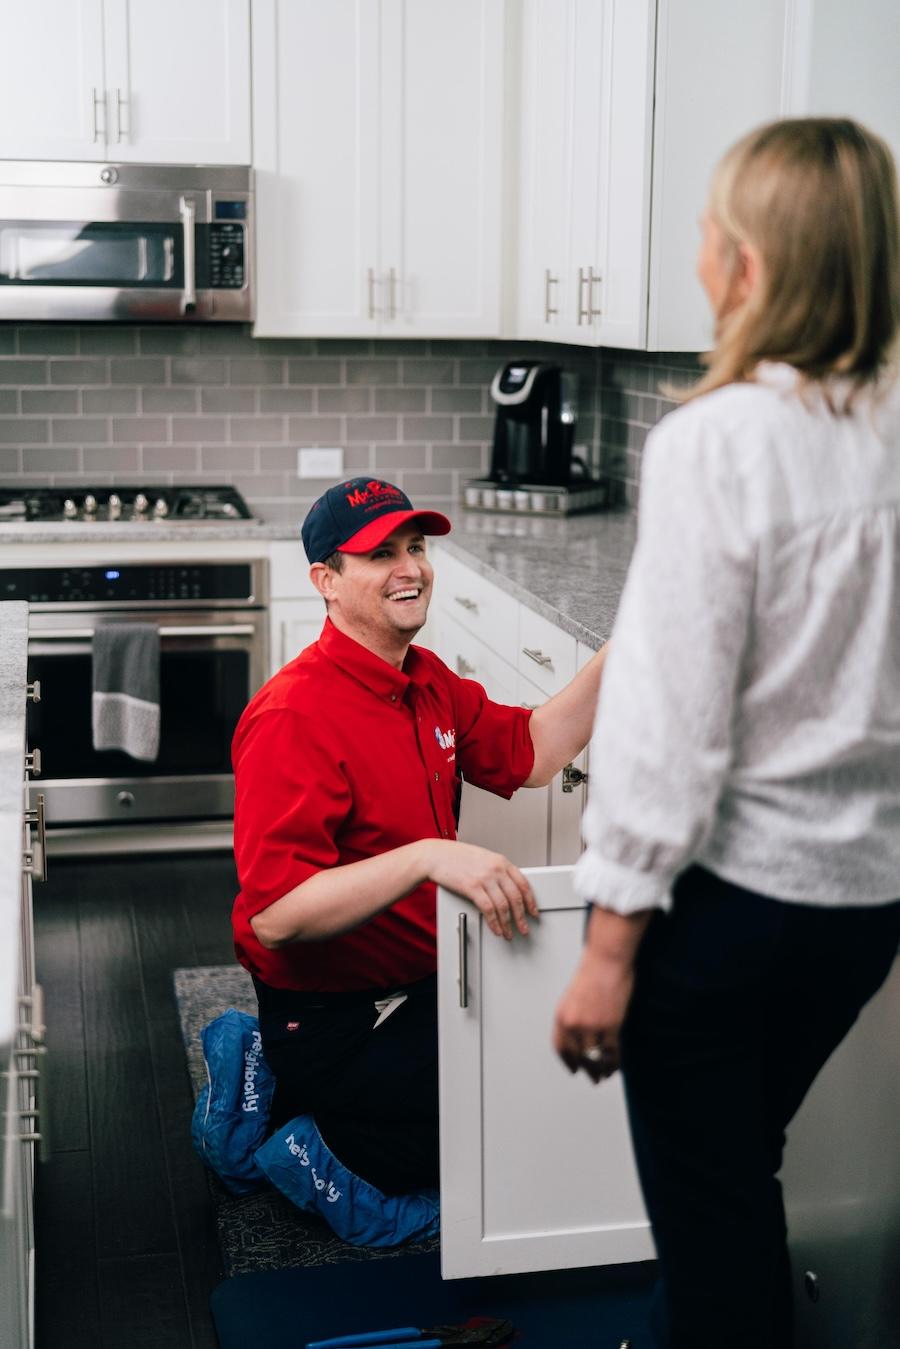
x=380, y=598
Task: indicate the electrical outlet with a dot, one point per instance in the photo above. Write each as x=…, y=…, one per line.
x=320, y=463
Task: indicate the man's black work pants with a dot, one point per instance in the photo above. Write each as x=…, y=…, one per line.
x=372, y=1090
x=739, y=1000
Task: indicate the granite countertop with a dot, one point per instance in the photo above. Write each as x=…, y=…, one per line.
x=13, y=655
x=571, y=570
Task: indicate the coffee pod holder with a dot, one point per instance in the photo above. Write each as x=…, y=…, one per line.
x=493, y=498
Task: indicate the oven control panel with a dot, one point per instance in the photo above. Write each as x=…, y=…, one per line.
x=226, y=255
x=137, y=585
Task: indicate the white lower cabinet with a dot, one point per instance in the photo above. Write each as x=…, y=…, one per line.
x=537, y=1170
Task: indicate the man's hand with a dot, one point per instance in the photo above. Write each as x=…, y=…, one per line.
x=589, y=1018
x=488, y=879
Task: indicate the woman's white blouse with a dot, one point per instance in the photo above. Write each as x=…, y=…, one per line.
x=749, y=718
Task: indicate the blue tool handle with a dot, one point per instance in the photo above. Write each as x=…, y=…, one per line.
x=398, y=1338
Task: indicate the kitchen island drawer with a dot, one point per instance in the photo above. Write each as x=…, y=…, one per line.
x=546, y=655
x=479, y=605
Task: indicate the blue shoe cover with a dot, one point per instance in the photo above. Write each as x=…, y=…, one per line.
x=231, y=1117
x=299, y=1163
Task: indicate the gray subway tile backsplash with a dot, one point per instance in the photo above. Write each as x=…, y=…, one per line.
x=211, y=403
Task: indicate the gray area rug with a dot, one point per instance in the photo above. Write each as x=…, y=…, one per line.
x=263, y=1230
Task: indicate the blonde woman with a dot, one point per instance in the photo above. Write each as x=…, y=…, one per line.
x=743, y=825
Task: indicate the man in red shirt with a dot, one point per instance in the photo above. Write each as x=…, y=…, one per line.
x=348, y=768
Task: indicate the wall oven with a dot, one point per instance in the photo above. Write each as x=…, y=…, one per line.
x=125, y=241
x=212, y=620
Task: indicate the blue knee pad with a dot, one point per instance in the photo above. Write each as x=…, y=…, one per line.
x=299, y=1163
x=231, y=1117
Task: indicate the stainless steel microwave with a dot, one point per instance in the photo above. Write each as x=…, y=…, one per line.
x=131, y=242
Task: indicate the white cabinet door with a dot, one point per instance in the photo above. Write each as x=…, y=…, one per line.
x=441, y=111
x=537, y=1170
x=178, y=81
x=377, y=145
x=317, y=159
x=843, y=62
x=52, y=92
x=587, y=88
x=719, y=73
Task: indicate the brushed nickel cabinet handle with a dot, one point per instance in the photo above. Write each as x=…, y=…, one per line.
x=463, y=668
x=537, y=656
x=468, y=604
x=370, y=283
x=593, y=279
x=549, y=311
x=584, y=315
x=98, y=99
x=33, y=691
x=392, y=294
x=121, y=132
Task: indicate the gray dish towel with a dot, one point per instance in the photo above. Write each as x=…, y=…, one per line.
x=125, y=703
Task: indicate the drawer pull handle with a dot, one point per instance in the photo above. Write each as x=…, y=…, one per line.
x=538, y=656
x=463, y=668
x=33, y=763
x=470, y=605
x=33, y=691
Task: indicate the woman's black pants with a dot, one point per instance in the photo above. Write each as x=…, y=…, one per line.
x=738, y=1002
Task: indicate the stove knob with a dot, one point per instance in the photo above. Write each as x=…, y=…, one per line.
x=70, y=510
x=89, y=505
x=140, y=504
x=114, y=506
x=161, y=508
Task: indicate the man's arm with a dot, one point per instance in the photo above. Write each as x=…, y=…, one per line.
x=562, y=727
x=339, y=899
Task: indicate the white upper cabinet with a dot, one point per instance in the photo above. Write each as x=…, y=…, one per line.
x=153, y=81
x=584, y=187
x=378, y=136
x=52, y=93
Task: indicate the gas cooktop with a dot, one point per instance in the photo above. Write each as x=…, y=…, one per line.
x=142, y=505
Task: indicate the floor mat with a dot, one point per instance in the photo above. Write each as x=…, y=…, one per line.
x=563, y=1309
x=260, y=1231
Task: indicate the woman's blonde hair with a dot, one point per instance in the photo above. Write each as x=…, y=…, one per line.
x=816, y=198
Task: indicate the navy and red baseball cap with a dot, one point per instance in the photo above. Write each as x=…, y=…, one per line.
x=357, y=515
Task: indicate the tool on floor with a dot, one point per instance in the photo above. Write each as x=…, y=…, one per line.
x=482, y=1331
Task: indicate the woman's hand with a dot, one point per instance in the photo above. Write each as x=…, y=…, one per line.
x=489, y=880
x=589, y=1018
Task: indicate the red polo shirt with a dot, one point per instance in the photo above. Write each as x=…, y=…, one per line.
x=341, y=757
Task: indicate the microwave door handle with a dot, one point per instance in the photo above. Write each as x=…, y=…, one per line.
x=204, y=630
x=188, y=212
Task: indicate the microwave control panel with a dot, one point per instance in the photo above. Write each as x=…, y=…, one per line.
x=226, y=255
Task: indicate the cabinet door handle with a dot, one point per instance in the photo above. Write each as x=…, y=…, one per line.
x=584, y=315
x=463, y=668
x=537, y=656
x=593, y=279
x=33, y=763
x=468, y=604
x=549, y=311
x=392, y=294
x=370, y=283
x=36, y=859
x=33, y=691
x=121, y=132
x=98, y=99
x=463, y=976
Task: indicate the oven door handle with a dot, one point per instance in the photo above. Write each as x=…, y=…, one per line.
x=86, y=634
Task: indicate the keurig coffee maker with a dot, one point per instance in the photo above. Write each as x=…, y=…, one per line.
x=534, y=425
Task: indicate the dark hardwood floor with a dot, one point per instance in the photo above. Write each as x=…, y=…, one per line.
x=125, y=1238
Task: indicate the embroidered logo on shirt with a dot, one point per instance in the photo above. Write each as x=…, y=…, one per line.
x=292, y=1025
x=446, y=739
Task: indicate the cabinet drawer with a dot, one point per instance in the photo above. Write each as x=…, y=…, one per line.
x=471, y=659
x=547, y=655
x=480, y=606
